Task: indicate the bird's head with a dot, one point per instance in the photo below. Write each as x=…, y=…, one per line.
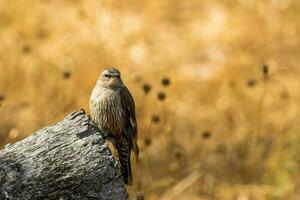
x=110, y=77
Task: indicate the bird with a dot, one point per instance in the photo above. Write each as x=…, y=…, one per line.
x=112, y=108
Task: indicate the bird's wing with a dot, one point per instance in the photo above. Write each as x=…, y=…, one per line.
x=131, y=129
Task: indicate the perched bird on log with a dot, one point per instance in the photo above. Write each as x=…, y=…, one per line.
x=113, y=110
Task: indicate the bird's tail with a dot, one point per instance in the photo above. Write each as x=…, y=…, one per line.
x=124, y=151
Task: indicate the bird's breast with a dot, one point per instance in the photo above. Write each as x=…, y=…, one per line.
x=106, y=111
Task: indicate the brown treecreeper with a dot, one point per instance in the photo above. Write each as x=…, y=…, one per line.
x=113, y=110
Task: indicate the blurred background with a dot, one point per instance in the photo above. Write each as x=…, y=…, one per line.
x=216, y=85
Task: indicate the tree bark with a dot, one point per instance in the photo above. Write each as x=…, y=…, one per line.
x=67, y=160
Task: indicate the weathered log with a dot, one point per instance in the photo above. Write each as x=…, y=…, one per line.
x=67, y=160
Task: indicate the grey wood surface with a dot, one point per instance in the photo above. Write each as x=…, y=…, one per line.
x=66, y=160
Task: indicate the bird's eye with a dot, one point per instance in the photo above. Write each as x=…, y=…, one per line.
x=118, y=76
x=106, y=75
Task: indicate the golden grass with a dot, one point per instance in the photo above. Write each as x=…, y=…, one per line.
x=224, y=129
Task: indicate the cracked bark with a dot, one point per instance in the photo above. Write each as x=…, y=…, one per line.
x=67, y=160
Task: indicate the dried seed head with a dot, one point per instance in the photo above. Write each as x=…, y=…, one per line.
x=147, y=141
x=26, y=49
x=161, y=96
x=42, y=33
x=178, y=153
x=165, y=81
x=2, y=97
x=265, y=70
x=251, y=82
x=147, y=87
x=206, y=134
x=155, y=118
x=67, y=74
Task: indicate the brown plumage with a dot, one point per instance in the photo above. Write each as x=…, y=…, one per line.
x=113, y=110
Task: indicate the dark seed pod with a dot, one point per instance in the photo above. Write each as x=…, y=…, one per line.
x=206, y=134
x=147, y=141
x=26, y=49
x=251, y=82
x=265, y=70
x=67, y=74
x=165, y=81
x=147, y=87
x=155, y=118
x=161, y=96
x=178, y=154
x=2, y=97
